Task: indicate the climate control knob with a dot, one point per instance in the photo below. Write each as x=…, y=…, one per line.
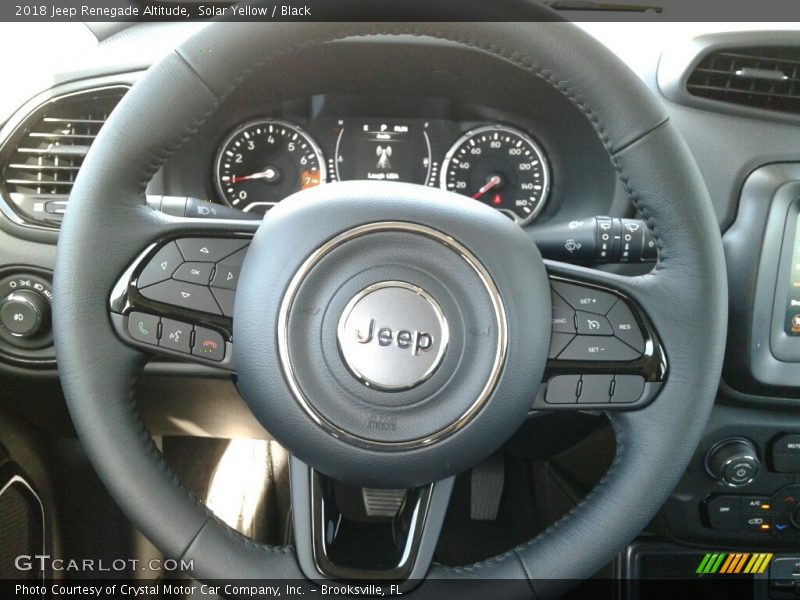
x=733, y=461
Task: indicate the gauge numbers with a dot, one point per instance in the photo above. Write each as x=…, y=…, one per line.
x=499, y=166
x=263, y=162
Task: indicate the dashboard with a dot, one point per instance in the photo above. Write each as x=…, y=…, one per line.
x=264, y=160
x=496, y=137
x=493, y=136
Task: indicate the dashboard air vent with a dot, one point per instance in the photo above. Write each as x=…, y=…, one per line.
x=764, y=77
x=41, y=160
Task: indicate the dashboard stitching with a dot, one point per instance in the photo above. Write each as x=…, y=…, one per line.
x=546, y=75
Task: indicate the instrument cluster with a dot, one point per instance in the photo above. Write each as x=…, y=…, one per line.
x=262, y=161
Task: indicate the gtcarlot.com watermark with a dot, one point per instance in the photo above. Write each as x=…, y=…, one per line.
x=46, y=563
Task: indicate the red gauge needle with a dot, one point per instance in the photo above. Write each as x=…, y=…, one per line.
x=270, y=174
x=493, y=181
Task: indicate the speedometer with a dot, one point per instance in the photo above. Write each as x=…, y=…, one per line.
x=263, y=162
x=499, y=166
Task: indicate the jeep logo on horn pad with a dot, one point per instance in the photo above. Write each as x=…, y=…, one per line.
x=404, y=339
x=392, y=335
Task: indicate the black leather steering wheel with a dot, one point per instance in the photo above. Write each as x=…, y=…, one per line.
x=108, y=225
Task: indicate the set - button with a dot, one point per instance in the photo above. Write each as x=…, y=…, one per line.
x=177, y=336
x=199, y=274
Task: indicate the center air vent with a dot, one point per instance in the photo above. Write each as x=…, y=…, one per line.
x=764, y=77
x=41, y=160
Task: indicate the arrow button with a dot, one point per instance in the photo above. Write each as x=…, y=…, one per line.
x=185, y=295
x=209, y=249
x=161, y=266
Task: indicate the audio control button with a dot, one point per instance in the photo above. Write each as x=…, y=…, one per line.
x=733, y=461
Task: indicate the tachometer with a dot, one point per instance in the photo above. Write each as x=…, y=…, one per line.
x=499, y=166
x=263, y=162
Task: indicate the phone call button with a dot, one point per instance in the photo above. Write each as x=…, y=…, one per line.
x=143, y=327
x=208, y=344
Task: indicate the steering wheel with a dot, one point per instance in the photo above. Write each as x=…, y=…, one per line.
x=390, y=335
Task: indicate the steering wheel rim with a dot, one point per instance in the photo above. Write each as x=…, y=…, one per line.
x=685, y=295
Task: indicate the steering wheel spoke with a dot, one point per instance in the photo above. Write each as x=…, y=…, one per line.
x=605, y=353
x=347, y=532
x=176, y=298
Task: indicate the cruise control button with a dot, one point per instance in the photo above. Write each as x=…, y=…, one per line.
x=595, y=389
x=194, y=272
x=558, y=341
x=175, y=335
x=562, y=389
x=595, y=348
x=161, y=266
x=208, y=344
x=627, y=389
x=209, y=249
x=585, y=298
x=625, y=326
x=563, y=320
x=225, y=299
x=186, y=295
x=143, y=328
x=592, y=324
x=557, y=301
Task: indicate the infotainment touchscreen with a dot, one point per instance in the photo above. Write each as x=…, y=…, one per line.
x=792, y=320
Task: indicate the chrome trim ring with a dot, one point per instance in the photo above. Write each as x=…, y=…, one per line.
x=501, y=321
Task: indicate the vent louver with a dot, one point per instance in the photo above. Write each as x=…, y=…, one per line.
x=764, y=77
x=46, y=152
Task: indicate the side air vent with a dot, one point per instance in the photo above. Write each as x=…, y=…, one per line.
x=762, y=77
x=41, y=159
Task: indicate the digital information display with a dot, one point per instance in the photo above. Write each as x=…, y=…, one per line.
x=384, y=151
x=792, y=322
